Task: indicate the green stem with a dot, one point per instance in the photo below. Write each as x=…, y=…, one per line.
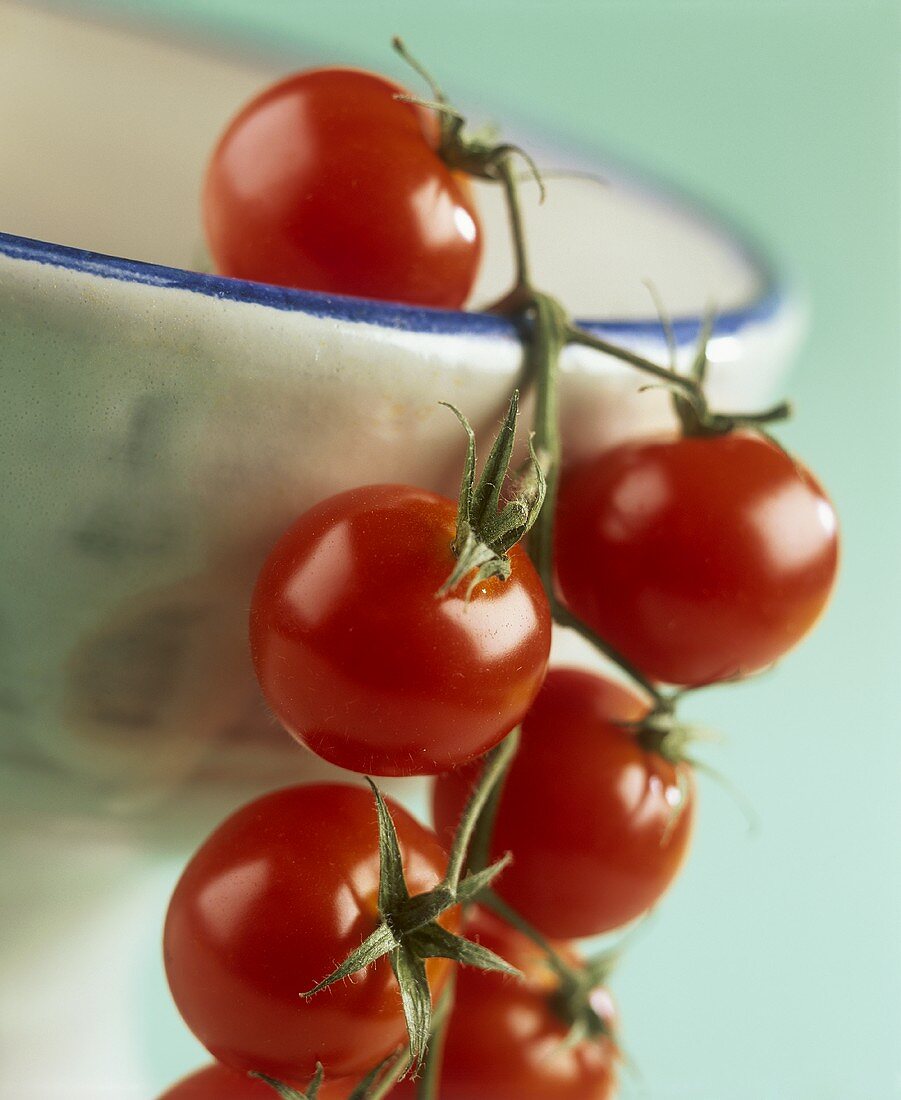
x=565, y=617
x=577, y=335
x=543, y=361
x=551, y=330
x=479, y=854
x=548, y=339
x=508, y=178
x=496, y=764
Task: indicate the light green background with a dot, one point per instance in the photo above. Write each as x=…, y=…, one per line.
x=774, y=968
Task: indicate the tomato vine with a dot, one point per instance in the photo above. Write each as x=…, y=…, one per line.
x=472, y=560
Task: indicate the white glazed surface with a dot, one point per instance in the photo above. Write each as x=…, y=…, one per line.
x=155, y=440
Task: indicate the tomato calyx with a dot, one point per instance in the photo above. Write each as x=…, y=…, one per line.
x=476, y=154
x=572, y=999
x=408, y=931
x=485, y=530
x=663, y=733
x=690, y=404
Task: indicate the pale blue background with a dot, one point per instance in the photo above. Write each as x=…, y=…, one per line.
x=773, y=970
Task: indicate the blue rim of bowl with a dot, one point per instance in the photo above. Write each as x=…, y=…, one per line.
x=390, y=315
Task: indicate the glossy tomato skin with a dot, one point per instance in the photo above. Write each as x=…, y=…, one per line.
x=586, y=812
x=698, y=559
x=272, y=901
x=504, y=1039
x=364, y=665
x=217, y=1082
x=327, y=182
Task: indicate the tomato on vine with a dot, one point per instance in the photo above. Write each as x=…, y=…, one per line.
x=396, y=633
x=699, y=559
x=327, y=181
x=283, y=889
x=598, y=824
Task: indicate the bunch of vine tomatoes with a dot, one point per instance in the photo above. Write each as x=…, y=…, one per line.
x=698, y=557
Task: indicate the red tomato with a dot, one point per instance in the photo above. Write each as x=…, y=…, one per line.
x=273, y=900
x=327, y=182
x=221, y=1083
x=361, y=661
x=505, y=1041
x=586, y=812
x=699, y=559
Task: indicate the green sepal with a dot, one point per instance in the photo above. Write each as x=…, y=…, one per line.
x=423, y=909
x=416, y=997
x=286, y=1092
x=376, y=945
x=478, y=558
x=467, y=482
x=520, y=513
x=476, y=883
x=485, y=531
x=436, y=942
x=392, y=884
x=486, y=496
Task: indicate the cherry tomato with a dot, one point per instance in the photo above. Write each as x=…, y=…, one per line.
x=272, y=901
x=218, y=1082
x=699, y=559
x=327, y=182
x=505, y=1039
x=360, y=660
x=587, y=813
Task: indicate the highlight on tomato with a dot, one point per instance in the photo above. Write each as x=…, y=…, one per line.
x=366, y=664
x=598, y=824
x=700, y=558
x=328, y=181
x=281, y=892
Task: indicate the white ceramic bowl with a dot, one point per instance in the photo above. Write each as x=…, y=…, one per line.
x=160, y=427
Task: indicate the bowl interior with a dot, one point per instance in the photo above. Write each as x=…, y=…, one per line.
x=105, y=133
